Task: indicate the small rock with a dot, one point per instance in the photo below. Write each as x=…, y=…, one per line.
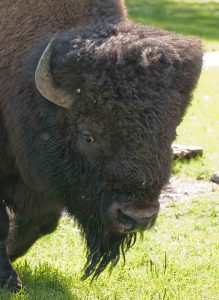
x=215, y=178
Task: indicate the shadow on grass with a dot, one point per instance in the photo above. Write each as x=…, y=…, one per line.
x=41, y=282
x=194, y=18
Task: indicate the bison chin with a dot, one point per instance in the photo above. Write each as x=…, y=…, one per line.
x=105, y=249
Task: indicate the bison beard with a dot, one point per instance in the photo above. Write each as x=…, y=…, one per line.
x=104, y=249
x=103, y=246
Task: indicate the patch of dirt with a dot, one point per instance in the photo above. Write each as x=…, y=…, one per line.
x=180, y=190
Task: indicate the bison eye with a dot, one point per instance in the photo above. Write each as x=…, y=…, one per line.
x=87, y=137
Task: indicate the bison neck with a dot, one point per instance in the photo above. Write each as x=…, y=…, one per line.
x=44, y=16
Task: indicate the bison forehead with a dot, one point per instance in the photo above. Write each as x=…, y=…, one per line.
x=123, y=56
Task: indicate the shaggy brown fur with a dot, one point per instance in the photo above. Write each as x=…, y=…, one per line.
x=25, y=23
x=111, y=148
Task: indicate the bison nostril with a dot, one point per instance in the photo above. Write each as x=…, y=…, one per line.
x=128, y=217
x=127, y=222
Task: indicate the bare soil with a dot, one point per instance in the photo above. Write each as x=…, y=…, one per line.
x=180, y=190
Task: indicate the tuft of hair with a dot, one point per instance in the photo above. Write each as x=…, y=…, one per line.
x=101, y=253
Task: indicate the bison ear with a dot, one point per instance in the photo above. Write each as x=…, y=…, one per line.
x=44, y=81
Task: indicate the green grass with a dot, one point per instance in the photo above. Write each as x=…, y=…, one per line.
x=178, y=259
x=190, y=17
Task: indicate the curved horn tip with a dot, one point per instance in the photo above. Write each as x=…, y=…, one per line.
x=44, y=81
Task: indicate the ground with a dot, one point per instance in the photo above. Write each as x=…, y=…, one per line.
x=181, y=190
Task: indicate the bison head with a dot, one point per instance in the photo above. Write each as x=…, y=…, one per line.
x=117, y=94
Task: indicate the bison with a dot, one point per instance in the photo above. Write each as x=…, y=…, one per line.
x=89, y=105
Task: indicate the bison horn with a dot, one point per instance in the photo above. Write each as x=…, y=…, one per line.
x=44, y=81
